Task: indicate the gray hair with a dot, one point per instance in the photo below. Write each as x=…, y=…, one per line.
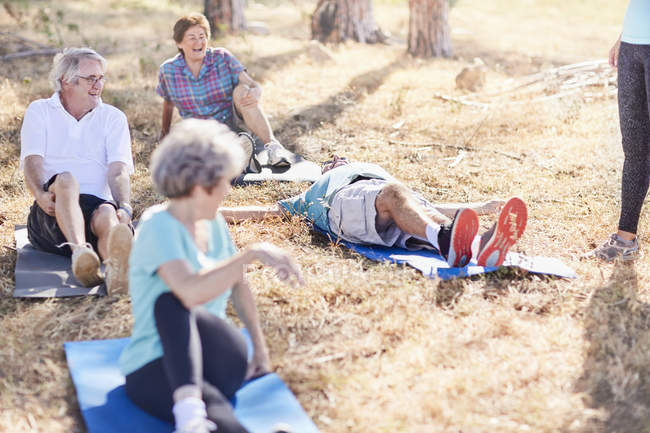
x=195, y=152
x=66, y=65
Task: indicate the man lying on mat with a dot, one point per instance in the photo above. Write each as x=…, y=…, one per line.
x=76, y=155
x=185, y=360
x=362, y=203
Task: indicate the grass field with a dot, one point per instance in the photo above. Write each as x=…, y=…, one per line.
x=370, y=347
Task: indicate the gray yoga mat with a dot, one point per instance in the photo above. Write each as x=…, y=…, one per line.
x=45, y=275
x=300, y=170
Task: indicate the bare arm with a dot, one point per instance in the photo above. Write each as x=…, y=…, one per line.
x=35, y=178
x=120, y=186
x=613, y=52
x=244, y=303
x=167, y=113
x=254, y=213
x=196, y=288
x=246, y=79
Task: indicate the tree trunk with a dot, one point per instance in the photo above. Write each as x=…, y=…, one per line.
x=429, y=34
x=225, y=16
x=339, y=20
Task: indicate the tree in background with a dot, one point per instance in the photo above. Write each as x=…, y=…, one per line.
x=225, y=15
x=338, y=20
x=429, y=34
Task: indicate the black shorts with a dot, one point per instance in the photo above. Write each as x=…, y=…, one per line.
x=44, y=233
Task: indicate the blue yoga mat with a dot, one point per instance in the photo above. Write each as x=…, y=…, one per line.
x=259, y=405
x=431, y=264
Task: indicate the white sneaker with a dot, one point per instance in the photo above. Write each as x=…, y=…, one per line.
x=278, y=155
x=117, y=263
x=198, y=425
x=85, y=265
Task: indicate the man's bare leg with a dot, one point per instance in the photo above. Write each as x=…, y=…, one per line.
x=396, y=203
x=114, y=244
x=102, y=221
x=452, y=238
x=69, y=217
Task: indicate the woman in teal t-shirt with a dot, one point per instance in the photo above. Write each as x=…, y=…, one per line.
x=185, y=360
x=631, y=55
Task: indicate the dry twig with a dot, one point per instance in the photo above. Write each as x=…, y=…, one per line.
x=459, y=147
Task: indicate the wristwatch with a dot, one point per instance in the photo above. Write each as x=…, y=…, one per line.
x=126, y=207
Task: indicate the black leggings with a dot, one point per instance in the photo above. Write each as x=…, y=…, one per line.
x=198, y=349
x=633, y=103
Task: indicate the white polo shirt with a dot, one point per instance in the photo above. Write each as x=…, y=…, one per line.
x=82, y=147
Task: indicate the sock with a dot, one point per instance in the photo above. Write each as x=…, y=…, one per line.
x=625, y=242
x=432, y=235
x=187, y=410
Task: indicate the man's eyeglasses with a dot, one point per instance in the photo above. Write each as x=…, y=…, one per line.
x=92, y=79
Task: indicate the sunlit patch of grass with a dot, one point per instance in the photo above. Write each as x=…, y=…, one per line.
x=370, y=347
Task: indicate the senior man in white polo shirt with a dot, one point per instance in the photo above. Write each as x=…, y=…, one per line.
x=76, y=156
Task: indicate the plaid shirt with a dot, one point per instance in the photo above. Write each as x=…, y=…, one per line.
x=207, y=97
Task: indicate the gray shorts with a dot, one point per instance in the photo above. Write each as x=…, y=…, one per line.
x=353, y=216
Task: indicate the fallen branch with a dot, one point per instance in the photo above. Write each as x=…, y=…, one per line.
x=30, y=53
x=22, y=39
x=460, y=100
x=459, y=147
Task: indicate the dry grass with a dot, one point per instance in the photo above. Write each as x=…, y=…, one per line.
x=372, y=347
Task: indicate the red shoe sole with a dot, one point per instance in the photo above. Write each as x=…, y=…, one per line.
x=510, y=227
x=462, y=236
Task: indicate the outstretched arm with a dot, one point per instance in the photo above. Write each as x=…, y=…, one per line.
x=244, y=304
x=253, y=213
x=482, y=208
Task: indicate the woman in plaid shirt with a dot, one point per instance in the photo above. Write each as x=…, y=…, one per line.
x=210, y=83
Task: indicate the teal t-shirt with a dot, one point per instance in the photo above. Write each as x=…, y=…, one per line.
x=161, y=238
x=314, y=203
x=636, y=27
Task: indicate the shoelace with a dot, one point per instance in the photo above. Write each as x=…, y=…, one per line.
x=72, y=244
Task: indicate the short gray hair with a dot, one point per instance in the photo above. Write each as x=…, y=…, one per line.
x=66, y=65
x=195, y=152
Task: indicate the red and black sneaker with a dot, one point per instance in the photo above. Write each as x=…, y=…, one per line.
x=510, y=226
x=456, y=240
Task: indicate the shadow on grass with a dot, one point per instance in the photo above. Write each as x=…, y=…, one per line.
x=261, y=66
x=513, y=63
x=616, y=376
x=315, y=116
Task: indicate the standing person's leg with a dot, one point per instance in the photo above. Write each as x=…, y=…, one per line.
x=453, y=238
x=633, y=97
x=186, y=359
x=633, y=102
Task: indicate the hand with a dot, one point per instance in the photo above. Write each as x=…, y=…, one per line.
x=259, y=365
x=613, y=53
x=251, y=96
x=46, y=201
x=279, y=260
